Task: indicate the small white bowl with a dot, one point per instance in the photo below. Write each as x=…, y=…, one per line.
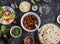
x=34, y=7
x=58, y=19
x=12, y=34
x=24, y=6
x=30, y=13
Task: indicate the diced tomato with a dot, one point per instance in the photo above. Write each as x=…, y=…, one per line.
x=8, y=19
x=6, y=12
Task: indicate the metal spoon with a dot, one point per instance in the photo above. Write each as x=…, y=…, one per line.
x=37, y=27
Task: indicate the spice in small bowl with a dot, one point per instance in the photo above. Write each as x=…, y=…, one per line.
x=15, y=31
x=58, y=19
x=34, y=7
x=28, y=40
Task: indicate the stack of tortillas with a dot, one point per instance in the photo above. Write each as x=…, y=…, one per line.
x=49, y=34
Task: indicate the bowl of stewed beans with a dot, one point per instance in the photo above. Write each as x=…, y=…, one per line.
x=29, y=20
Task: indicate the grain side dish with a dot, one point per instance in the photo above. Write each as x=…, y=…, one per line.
x=24, y=6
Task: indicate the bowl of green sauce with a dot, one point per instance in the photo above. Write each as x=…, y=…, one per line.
x=15, y=31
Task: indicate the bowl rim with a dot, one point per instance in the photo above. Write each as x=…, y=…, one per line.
x=30, y=37
x=23, y=2
x=32, y=13
x=58, y=18
x=12, y=34
x=12, y=11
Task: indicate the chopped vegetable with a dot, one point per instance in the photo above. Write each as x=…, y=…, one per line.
x=12, y=15
x=1, y=11
x=3, y=29
x=5, y=36
x=33, y=1
x=15, y=31
x=8, y=19
x=6, y=12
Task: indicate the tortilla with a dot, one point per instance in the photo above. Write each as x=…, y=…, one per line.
x=49, y=34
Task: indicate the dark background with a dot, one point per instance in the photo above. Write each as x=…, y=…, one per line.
x=49, y=18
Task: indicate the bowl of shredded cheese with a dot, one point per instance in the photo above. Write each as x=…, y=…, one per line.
x=24, y=6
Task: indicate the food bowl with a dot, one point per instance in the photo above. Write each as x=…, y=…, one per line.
x=58, y=19
x=20, y=31
x=30, y=13
x=29, y=40
x=7, y=19
x=24, y=6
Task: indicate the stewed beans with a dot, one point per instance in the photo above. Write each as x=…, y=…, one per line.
x=30, y=21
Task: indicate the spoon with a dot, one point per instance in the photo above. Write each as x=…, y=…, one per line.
x=13, y=4
x=37, y=27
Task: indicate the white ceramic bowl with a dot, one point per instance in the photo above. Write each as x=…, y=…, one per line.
x=12, y=34
x=58, y=19
x=11, y=10
x=30, y=13
x=24, y=6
